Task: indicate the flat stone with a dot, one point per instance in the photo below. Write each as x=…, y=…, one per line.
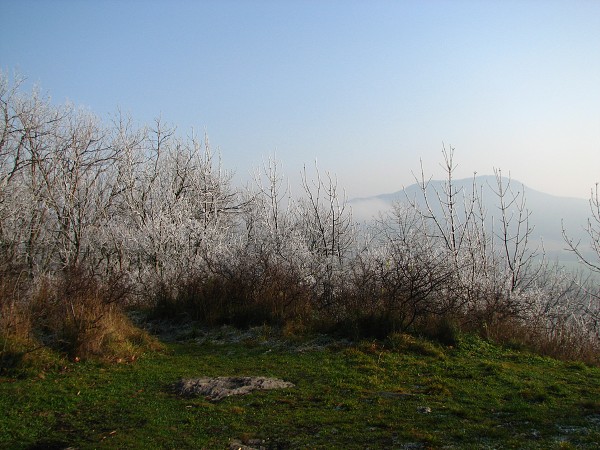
x=253, y=444
x=215, y=389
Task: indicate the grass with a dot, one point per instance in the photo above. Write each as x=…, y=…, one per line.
x=405, y=392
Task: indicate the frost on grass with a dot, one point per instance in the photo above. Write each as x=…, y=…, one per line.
x=216, y=389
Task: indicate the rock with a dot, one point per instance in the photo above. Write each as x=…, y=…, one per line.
x=215, y=389
x=253, y=444
x=424, y=409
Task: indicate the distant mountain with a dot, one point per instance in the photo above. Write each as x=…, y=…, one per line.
x=549, y=213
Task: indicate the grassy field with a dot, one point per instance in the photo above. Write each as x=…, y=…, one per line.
x=401, y=393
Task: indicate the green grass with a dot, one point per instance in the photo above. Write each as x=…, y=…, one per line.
x=370, y=395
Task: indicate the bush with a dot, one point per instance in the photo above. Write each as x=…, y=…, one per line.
x=243, y=297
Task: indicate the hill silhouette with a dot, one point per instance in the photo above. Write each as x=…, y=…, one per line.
x=548, y=213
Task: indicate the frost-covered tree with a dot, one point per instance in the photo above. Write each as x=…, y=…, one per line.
x=325, y=222
x=176, y=205
x=56, y=181
x=592, y=228
x=489, y=250
x=591, y=288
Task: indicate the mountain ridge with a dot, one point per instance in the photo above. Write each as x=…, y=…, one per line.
x=549, y=213
x=465, y=181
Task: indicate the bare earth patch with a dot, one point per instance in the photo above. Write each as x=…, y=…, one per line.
x=215, y=389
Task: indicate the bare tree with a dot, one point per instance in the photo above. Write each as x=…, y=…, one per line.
x=490, y=254
x=77, y=184
x=414, y=276
x=326, y=225
x=273, y=206
x=456, y=220
x=176, y=205
x=592, y=228
x=11, y=162
x=591, y=302
x=514, y=234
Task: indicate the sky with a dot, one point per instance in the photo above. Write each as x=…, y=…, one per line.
x=368, y=89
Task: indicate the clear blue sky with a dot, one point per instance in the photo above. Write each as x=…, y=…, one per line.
x=367, y=87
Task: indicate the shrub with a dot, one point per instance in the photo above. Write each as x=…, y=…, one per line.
x=73, y=314
x=248, y=295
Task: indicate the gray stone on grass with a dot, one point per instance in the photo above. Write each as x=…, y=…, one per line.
x=252, y=444
x=215, y=389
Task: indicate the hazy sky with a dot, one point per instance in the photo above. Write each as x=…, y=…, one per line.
x=366, y=87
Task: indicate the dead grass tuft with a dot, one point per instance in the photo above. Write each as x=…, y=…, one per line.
x=73, y=314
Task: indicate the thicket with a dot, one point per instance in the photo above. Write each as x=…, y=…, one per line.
x=97, y=218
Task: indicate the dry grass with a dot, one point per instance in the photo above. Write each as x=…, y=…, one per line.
x=73, y=315
x=15, y=320
x=561, y=340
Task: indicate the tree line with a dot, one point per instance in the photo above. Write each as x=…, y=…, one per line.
x=152, y=219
